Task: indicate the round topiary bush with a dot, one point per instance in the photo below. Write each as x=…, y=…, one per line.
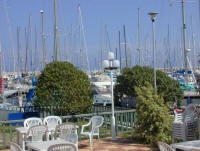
x=137, y=76
x=62, y=84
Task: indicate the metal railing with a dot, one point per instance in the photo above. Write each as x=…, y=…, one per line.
x=124, y=123
x=44, y=111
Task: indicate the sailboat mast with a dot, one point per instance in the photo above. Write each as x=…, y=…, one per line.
x=125, y=45
x=168, y=49
x=184, y=43
x=138, y=49
x=30, y=40
x=55, y=32
x=26, y=56
x=1, y=73
x=193, y=44
x=18, y=49
x=36, y=49
x=80, y=36
x=120, y=59
x=1, y=78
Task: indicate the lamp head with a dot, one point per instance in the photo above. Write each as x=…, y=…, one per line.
x=116, y=63
x=111, y=56
x=41, y=11
x=105, y=64
x=153, y=15
x=188, y=50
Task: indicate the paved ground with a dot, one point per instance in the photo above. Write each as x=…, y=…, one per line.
x=120, y=145
x=107, y=145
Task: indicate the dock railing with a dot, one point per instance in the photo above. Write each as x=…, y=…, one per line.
x=125, y=120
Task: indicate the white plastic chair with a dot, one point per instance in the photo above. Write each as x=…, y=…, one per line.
x=165, y=147
x=95, y=122
x=62, y=147
x=33, y=121
x=67, y=131
x=72, y=138
x=15, y=147
x=52, y=121
x=37, y=133
x=184, y=124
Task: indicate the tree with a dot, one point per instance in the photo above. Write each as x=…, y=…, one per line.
x=62, y=84
x=153, y=117
x=137, y=76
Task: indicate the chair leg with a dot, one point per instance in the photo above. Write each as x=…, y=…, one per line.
x=79, y=138
x=99, y=138
x=91, y=142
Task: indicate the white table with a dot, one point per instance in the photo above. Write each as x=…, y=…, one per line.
x=43, y=146
x=187, y=145
x=21, y=131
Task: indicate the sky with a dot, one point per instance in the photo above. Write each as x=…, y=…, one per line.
x=101, y=21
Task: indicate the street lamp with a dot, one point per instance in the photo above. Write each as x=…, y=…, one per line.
x=153, y=17
x=110, y=65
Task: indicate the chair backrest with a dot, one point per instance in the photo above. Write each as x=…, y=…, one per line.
x=37, y=133
x=15, y=147
x=62, y=147
x=33, y=121
x=64, y=129
x=96, y=121
x=179, y=117
x=52, y=120
x=165, y=147
x=189, y=113
x=72, y=138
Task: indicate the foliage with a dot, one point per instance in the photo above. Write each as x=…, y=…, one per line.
x=153, y=118
x=62, y=84
x=137, y=76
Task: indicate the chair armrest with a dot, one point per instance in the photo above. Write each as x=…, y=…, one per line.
x=83, y=126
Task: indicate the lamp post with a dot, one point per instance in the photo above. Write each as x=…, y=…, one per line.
x=43, y=40
x=153, y=17
x=110, y=65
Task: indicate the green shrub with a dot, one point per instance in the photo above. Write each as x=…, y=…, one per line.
x=62, y=84
x=153, y=118
x=137, y=76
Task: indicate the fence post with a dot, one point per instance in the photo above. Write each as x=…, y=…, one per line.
x=10, y=128
x=4, y=134
x=122, y=122
x=116, y=123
